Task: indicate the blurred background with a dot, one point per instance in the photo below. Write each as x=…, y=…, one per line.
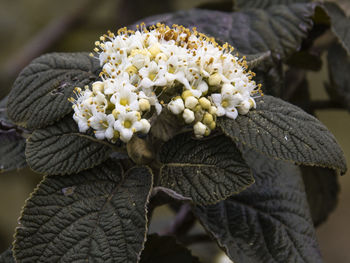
x=31, y=28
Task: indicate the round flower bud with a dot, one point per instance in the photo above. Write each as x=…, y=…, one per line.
x=191, y=102
x=227, y=89
x=176, y=106
x=145, y=126
x=188, y=116
x=215, y=79
x=186, y=94
x=208, y=118
x=213, y=110
x=252, y=103
x=212, y=125
x=144, y=105
x=205, y=103
x=199, y=129
x=244, y=107
x=97, y=86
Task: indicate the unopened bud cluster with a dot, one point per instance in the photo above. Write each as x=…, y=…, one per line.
x=176, y=68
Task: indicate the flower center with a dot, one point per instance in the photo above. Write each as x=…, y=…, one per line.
x=127, y=124
x=124, y=102
x=152, y=76
x=225, y=103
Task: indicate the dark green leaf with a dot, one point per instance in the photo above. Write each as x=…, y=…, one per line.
x=40, y=94
x=258, y=59
x=339, y=68
x=322, y=189
x=271, y=77
x=279, y=29
x=340, y=24
x=62, y=149
x=269, y=222
x=263, y=4
x=12, y=143
x=161, y=249
x=7, y=257
x=284, y=131
x=98, y=215
x=204, y=171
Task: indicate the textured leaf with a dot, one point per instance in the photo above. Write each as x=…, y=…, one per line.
x=339, y=68
x=271, y=77
x=263, y=4
x=322, y=189
x=279, y=29
x=160, y=249
x=97, y=215
x=12, y=144
x=340, y=24
x=284, y=131
x=269, y=222
x=7, y=257
x=40, y=94
x=205, y=171
x=62, y=149
x=258, y=59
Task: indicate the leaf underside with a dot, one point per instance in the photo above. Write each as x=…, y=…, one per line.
x=39, y=96
x=12, y=143
x=284, y=131
x=62, y=149
x=269, y=222
x=338, y=68
x=322, y=189
x=97, y=215
x=263, y=4
x=204, y=171
x=340, y=24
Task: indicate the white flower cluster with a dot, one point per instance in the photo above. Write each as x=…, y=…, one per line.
x=175, y=68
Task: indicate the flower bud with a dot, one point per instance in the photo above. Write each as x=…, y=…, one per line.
x=97, y=86
x=176, y=106
x=144, y=105
x=205, y=103
x=244, y=107
x=191, y=102
x=208, y=118
x=188, y=116
x=199, y=129
x=215, y=79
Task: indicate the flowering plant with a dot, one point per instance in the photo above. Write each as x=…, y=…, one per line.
x=168, y=114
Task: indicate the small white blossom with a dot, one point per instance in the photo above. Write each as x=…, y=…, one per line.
x=176, y=106
x=127, y=124
x=188, y=116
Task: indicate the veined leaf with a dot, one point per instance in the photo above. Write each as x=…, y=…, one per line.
x=62, y=149
x=278, y=29
x=263, y=4
x=204, y=171
x=98, y=215
x=12, y=144
x=160, y=249
x=284, y=131
x=39, y=96
x=269, y=222
x=340, y=24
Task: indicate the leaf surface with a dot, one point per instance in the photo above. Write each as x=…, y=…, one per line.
x=62, y=149
x=269, y=222
x=39, y=96
x=204, y=171
x=284, y=131
x=98, y=215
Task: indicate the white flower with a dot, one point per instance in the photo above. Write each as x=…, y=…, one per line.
x=125, y=99
x=103, y=125
x=225, y=105
x=191, y=102
x=127, y=124
x=145, y=126
x=176, y=106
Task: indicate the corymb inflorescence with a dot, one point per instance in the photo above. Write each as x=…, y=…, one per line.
x=147, y=71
